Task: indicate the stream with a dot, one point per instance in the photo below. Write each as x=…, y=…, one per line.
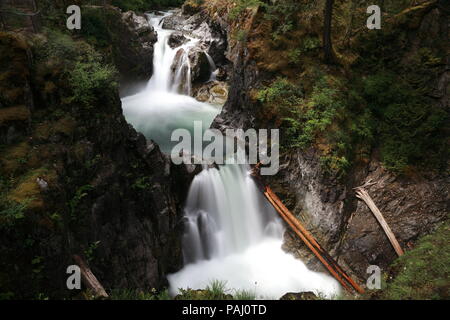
x=232, y=233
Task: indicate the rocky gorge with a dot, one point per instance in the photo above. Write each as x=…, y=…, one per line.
x=110, y=195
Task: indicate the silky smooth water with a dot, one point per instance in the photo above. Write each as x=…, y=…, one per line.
x=231, y=233
x=164, y=105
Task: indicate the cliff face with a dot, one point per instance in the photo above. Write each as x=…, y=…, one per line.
x=76, y=178
x=125, y=38
x=412, y=203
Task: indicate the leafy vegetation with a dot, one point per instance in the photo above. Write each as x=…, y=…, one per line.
x=410, y=132
x=145, y=5
x=241, y=6
x=423, y=272
x=357, y=106
x=125, y=294
x=215, y=290
x=10, y=212
x=91, y=79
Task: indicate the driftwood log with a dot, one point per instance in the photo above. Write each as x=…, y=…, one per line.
x=364, y=196
x=89, y=279
x=329, y=263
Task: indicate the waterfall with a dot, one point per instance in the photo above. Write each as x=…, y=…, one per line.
x=231, y=232
x=222, y=207
x=164, y=105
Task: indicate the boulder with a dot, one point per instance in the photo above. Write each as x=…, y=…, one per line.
x=134, y=50
x=191, y=7
x=299, y=296
x=179, y=22
x=200, y=67
x=177, y=39
x=213, y=92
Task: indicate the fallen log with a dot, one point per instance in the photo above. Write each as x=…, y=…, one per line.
x=89, y=279
x=363, y=195
x=329, y=263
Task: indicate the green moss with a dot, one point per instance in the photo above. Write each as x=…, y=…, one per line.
x=410, y=131
x=423, y=272
x=65, y=126
x=145, y=5
x=11, y=158
x=27, y=192
x=18, y=113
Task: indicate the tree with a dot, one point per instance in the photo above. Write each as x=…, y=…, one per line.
x=327, y=44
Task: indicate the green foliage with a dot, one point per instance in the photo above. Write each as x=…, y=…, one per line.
x=244, y=295
x=217, y=289
x=410, y=131
x=90, y=80
x=79, y=195
x=128, y=294
x=142, y=183
x=281, y=94
x=423, y=272
x=145, y=5
x=90, y=251
x=95, y=27
x=58, y=46
x=283, y=15
x=241, y=6
x=10, y=213
x=241, y=36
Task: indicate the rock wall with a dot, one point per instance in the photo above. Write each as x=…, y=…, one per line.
x=90, y=185
x=327, y=205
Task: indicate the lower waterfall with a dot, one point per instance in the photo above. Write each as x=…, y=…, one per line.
x=232, y=233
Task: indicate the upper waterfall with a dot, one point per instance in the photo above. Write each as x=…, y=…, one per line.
x=231, y=232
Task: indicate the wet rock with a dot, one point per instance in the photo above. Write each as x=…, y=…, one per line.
x=180, y=70
x=214, y=39
x=299, y=296
x=213, y=92
x=200, y=67
x=43, y=185
x=191, y=7
x=180, y=22
x=412, y=206
x=177, y=39
x=221, y=74
x=174, y=22
x=134, y=47
x=105, y=184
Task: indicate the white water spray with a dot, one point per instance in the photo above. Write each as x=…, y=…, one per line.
x=232, y=233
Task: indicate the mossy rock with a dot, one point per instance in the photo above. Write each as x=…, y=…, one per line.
x=299, y=296
x=65, y=126
x=13, y=157
x=28, y=191
x=17, y=113
x=201, y=295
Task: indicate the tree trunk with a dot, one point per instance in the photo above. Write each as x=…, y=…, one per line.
x=327, y=44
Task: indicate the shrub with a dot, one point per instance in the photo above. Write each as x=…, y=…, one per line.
x=95, y=28
x=91, y=80
x=411, y=132
x=423, y=272
x=144, y=5
x=241, y=6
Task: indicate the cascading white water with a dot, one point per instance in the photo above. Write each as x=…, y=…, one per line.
x=232, y=233
x=164, y=106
